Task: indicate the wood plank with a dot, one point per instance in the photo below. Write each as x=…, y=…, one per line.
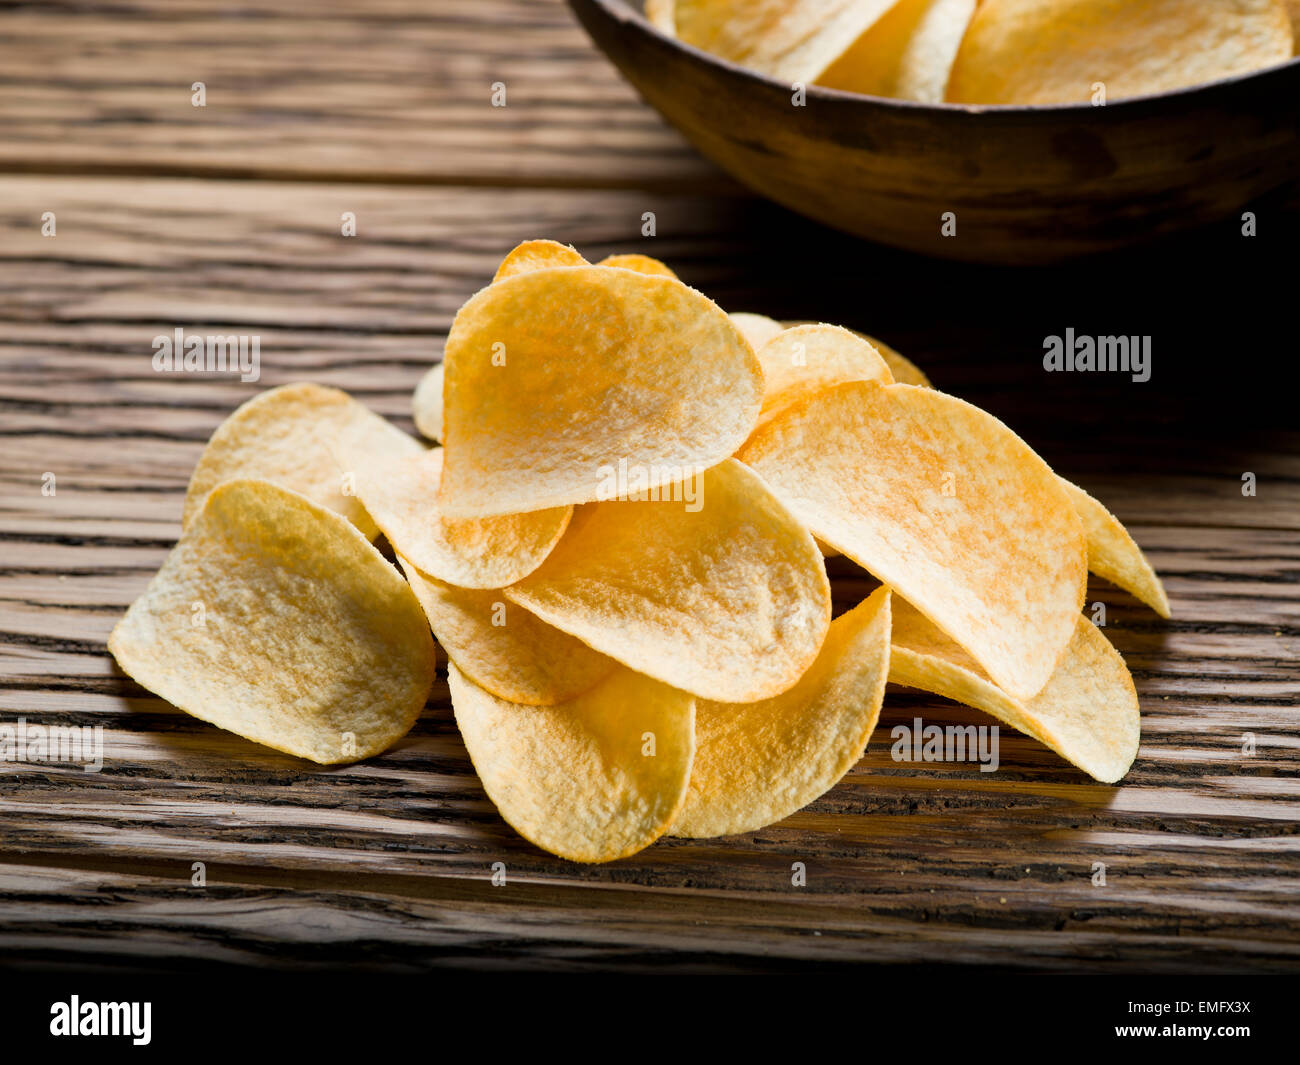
x=394, y=92
x=388, y=862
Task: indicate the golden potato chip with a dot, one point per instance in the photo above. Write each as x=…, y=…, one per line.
x=274, y=618
x=558, y=377
x=1113, y=554
x=927, y=58
x=1087, y=712
x=841, y=362
x=401, y=495
x=537, y=255
x=1060, y=51
x=1293, y=13
x=802, y=361
x=757, y=763
x=663, y=18
x=593, y=779
x=758, y=329
x=502, y=647
x=426, y=404
x=908, y=53
x=284, y=435
x=722, y=594
x=792, y=40
x=945, y=504
x=1111, y=551
x=642, y=264
x=905, y=371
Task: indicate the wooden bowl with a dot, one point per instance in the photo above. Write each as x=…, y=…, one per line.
x=1027, y=184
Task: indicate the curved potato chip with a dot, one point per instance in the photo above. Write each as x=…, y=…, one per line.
x=663, y=17
x=1293, y=13
x=945, y=504
x=1058, y=51
x=642, y=264
x=927, y=59
x=758, y=329
x=728, y=601
x=854, y=369
x=593, y=779
x=401, y=496
x=557, y=377
x=907, y=54
x=284, y=436
x=310, y=641
x=1113, y=554
x=426, y=404
x=537, y=255
x=791, y=40
x=1087, y=712
x=757, y=763
x=504, y=649
x=802, y=361
x=905, y=371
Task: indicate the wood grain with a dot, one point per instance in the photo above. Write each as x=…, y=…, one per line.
x=349, y=89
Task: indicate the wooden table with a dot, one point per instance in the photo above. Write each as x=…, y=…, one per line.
x=226, y=219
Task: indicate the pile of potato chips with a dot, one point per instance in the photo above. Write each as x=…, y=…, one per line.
x=990, y=51
x=620, y=546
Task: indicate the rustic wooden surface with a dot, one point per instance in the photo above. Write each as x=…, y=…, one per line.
x=381, y=109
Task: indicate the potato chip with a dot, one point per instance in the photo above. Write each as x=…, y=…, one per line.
x=1293, y=13
x=905, y=371
x=663, y=17
x=1087, y=712
x=1106, y=538
x=593, y=779
x=401, y=495
x=758, y=329
x=802, y=361
x=927, y=58
x=791, y=40
x=945, y=504
x=723, y=595
x=557, y=377
x=531, y=255
x=284, y=435
x=1113, y=554
x=426, y=405
x=757, y=763
x=907, y=54
x=537, y=255
x=642, y=264
x=274, y=618
x=503, y=648
x=1111, y=551
x=1060, y=51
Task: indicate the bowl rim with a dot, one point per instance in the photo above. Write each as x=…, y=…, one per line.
x=627, y=11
